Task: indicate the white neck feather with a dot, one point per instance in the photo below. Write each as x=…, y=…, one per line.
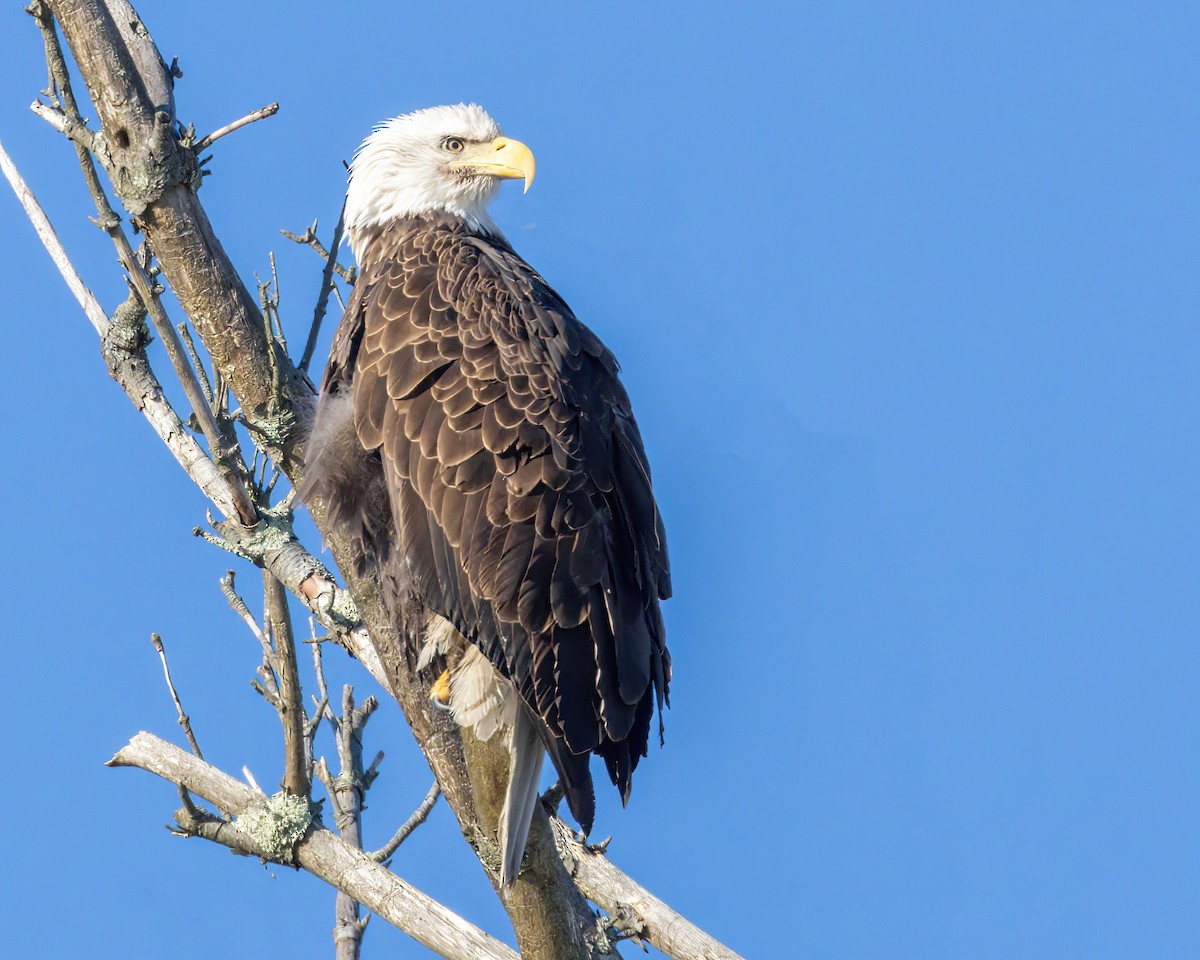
x=400, y=171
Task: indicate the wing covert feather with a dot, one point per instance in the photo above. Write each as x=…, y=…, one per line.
x=518, y=482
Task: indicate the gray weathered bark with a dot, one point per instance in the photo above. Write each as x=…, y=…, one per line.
x=321, y=853
x=635, y=910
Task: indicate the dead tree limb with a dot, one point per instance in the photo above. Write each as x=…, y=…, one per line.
x=290, y=708
x=123, y=342
x=156, y=177
x=634, y=910
x=41, y=225
x=346, y=791
x=260, y=114
x=418, y=817
x=322, y=854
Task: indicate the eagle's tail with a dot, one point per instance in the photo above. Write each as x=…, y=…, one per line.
x=524, y=770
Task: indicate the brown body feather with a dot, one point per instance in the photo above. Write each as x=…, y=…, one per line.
x=473, y=435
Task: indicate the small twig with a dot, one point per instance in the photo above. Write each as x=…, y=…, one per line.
x=372, y=771
x=309, y=238
x=418, y=817
x=205, y=142
x=70, y=128
x=324, y=855
x=327, y=284
x=186, y=335
x=190, y=804
x=279, y=334
x=270, y=667
x=184, y=719
x=323, y=703
x=250, y=780
x=194, y=822
x=222, y=543
x=290, y=706
x=289, y=500
x=267, y=308
x=220, y=394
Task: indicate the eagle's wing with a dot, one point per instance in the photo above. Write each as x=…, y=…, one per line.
x=518, y=484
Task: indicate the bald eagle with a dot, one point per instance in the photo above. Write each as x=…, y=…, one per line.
x=473, y=439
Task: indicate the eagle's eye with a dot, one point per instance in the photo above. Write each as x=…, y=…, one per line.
x=453, y=145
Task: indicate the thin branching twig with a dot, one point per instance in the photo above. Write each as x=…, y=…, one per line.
x=309, y=238
x=327, y=284
x=417, y=818
x=261, y=114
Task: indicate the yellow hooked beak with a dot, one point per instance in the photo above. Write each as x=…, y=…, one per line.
x=503, y=158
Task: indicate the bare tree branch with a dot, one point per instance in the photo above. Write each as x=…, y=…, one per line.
x=272, y=544
x=186, y=336
x=260, y=114
x=72, y=124
x=346, y=792
x=321, y=702
x=291, y=700
x=419, y=816
x=155, y=176
x=41, y=223
x=309, y=239
x=323, y=297
x=184, y=720
x=635, y=908
x=269, y=687
x=68, y=126
x=324, y=855
x=123, y=344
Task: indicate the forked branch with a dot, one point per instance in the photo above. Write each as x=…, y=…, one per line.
x=324, y=855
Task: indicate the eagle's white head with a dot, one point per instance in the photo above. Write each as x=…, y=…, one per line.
x=442, y=159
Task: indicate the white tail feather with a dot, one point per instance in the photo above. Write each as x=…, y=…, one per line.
x=524, y=772
x=484, y=701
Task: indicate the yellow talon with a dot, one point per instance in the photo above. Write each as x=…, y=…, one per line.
x=439, y=693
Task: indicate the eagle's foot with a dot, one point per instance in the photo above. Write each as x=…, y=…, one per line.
x=625, y=924
x=439, y=693
x=601, y=847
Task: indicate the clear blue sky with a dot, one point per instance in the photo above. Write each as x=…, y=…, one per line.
x=907, y=299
